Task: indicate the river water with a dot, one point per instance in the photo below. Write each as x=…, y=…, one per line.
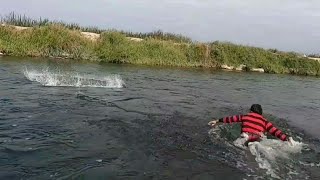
x=63, y=120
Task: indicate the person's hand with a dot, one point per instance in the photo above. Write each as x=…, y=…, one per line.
x=213, y=123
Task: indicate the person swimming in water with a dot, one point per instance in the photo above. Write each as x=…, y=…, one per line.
x=253, y=126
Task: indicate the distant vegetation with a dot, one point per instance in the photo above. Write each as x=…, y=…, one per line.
x=314, y=55
x=57, y=39
x=23, y=20
x=280, y=62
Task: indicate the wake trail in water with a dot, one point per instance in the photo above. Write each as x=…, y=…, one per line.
x=272, y=158
x=274, y=155
x=49, y=78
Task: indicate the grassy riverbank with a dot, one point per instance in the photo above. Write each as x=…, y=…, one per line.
x=49, y=39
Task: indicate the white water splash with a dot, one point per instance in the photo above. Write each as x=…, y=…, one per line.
x=48, y=78
x=310, y=164
x=268, y=151
x=272, y=155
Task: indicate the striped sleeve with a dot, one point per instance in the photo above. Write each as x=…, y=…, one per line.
x=275, y=132
x=231, y=119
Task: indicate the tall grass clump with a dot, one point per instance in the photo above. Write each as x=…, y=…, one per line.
x=114, y=47
x=47, y=41
x=271, y=62
x=160, y=35
x=22, y=20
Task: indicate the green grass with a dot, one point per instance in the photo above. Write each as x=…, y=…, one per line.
x=47, y=39
x=160, y=35
x=116, y=48
x=22, y=20
x=252, y=57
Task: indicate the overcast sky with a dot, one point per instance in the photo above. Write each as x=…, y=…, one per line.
x=291, y=25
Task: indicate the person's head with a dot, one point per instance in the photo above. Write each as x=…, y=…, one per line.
x=256, y=108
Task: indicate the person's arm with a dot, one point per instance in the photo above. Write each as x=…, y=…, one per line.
x=276, y=132
x=229, y=119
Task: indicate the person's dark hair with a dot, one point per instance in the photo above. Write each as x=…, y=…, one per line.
x=256, y=108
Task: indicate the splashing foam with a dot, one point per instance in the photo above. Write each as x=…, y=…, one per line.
x=48, y=78
x=268, y=151
x=272, y=155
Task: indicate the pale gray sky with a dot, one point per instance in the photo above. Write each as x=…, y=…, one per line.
x=291, y=25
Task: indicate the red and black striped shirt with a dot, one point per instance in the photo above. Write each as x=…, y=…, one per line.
x=254, y=123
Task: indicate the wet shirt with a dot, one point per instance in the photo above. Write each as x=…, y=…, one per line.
x=255, y=124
